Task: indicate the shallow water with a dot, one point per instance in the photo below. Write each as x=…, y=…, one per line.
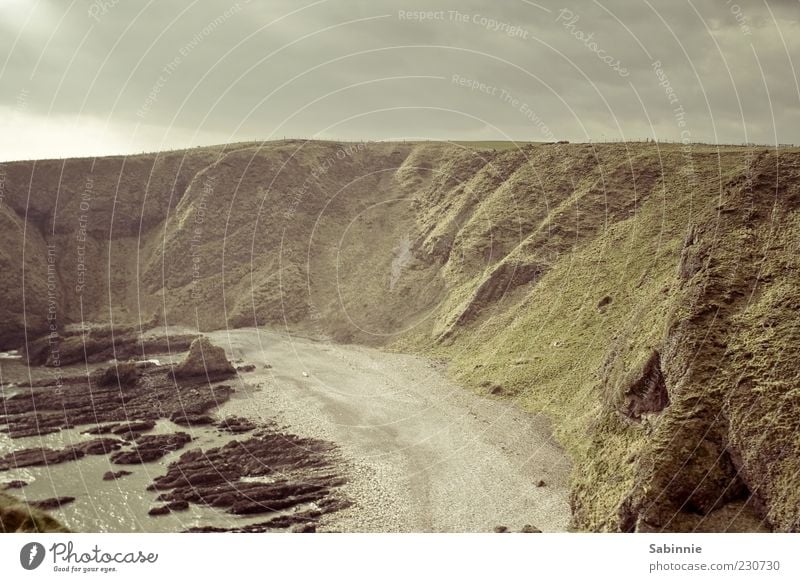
x=120, y=505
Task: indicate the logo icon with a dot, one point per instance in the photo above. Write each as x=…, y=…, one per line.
x=31, y=555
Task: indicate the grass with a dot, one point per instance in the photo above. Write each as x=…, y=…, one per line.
x=18, y=517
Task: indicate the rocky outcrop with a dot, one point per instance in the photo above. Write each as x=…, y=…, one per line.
x=127, y=430
x=114, y=475
x=150, y=448
x=102, y=345
x=51, y=503
x=236, y=425
x=123, y=373
x=266, y=473
x=133, y=407
x=45, y=457
x=19, y=517
x=205, y=360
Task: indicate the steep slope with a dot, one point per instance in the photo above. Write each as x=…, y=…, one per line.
x=644, y=296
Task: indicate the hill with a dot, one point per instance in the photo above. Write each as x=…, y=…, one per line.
x=643, y=295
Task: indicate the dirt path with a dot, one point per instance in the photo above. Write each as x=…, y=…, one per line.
x=423, y=454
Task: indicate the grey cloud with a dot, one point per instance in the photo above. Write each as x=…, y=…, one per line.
x=177, y=67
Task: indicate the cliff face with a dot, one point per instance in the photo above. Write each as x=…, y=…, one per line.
x=643, y=296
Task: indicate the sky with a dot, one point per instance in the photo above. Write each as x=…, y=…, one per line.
x=103, y=77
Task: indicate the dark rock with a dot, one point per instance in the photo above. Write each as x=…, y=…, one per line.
x=16, y=484
x=125, y=429
x=205, y=360
x=530, y=529
x=500, y=529
x=178, y=506
x=99, y=446
x=44, y=456
x=163, y=510
x=603, y=304
x=540, y=483
x=246, y=368
x=123, y=373
x=113, y=476
x=101, y=345
x=304, y=528
x=151, y=448
x=184, y=419
x=267, y=473
x=235, y=425
x=42, y=409
x=647, y=392
x=37, y=351
x=52, y=503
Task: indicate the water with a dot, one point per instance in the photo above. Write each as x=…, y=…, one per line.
x=120, y=505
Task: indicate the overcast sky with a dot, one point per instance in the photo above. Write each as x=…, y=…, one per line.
x=97, y=77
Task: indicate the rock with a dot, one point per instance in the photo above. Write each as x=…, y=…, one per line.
x=235, y=425
x=603, y=304
x=541, y=483
x=16, y=484
x=496, y=390
x=43, y=410
x=178, y=505
x=204, y=359
x=52, y=503
x=530, y=529
x=151, y=448
x=113, y=476
x=246, y=368
x=304, y=528
x=264, y=474
x=124, y=429
x=99, y=446
x=101, y=345
x=124, y=373
x=163, y=510
x=500, y=529
x=44, y=456
x=267, y=366
x=37, y=351
x=184, y=419
x=17, y=516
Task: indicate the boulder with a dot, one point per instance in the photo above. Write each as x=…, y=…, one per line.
x=113, y=476
x=51, y=503
x=204, y=359
x=123, y=374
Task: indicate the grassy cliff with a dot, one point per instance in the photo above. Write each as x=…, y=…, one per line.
x=18, y=517
x=644, y=296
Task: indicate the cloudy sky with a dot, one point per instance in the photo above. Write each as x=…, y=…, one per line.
x=96, y=77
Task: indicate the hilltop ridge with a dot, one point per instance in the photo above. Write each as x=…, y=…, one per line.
x=643, y=295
